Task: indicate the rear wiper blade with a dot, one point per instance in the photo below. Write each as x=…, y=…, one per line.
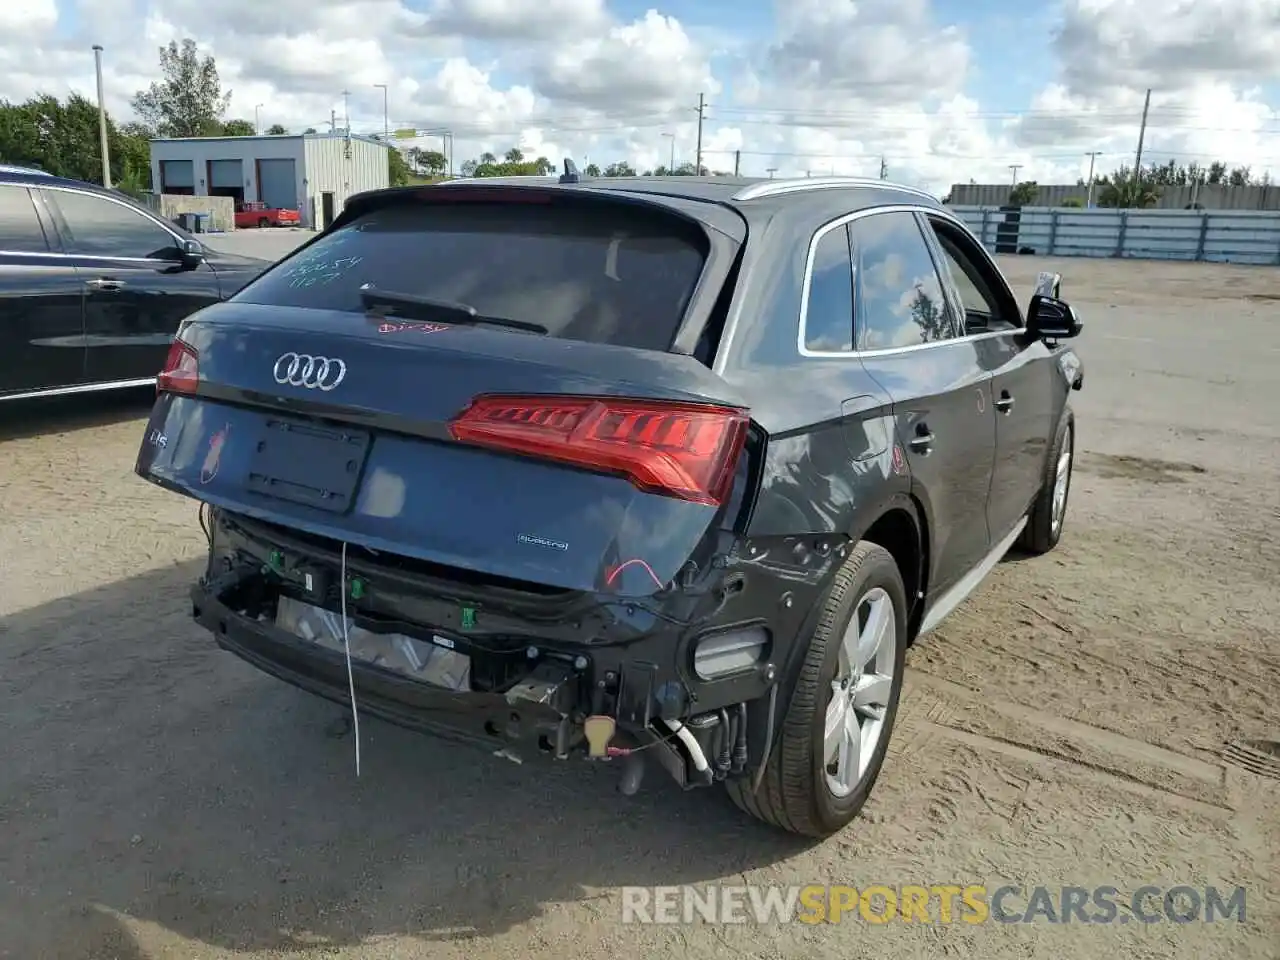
x=447, y=311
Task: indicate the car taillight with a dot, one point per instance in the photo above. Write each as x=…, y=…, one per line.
x=684, y=450
x=181, y=371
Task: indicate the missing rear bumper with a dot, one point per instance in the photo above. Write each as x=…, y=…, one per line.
x=521, y=686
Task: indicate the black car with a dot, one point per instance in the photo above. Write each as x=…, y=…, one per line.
x=633, y=469
x=93, y=286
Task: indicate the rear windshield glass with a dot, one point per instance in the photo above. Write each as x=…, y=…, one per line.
x=605, y=273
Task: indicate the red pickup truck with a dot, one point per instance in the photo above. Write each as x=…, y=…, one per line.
x=256, y=214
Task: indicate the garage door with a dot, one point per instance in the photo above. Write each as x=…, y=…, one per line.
x=176, y=173
x=278, y=184
x=225, y=173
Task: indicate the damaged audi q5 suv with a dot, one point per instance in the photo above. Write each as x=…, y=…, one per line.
x=663, y=472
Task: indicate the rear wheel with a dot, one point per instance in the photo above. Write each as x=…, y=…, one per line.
x=264, y=222
x=1049, y=512
x=837, y=727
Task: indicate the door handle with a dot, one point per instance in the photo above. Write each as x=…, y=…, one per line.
x=1005, y=403
x=104, y=283
x=922, y=442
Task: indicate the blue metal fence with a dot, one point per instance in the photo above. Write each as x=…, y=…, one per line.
x=1219, y=236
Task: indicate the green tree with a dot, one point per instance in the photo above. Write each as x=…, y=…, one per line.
x=620, y=169
x=238, y=128
x=63, y=139
x=398, y=172
x=1073, y=202
x=1024, y=194
x=276, y=130
x=189, y=100
x=434, y=162
x=1122, y=189
x=488, y=165
x=592, y=170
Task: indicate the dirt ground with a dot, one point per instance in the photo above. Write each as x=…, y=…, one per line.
x=1074, y=724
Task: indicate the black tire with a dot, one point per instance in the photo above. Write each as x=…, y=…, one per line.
x=263, y=222
x=794, y=794
x=1040, y=535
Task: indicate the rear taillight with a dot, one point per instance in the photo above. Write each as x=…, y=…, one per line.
x=684, y=450
x=181, y=371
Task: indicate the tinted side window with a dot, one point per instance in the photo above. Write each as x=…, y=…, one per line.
x=983, y=310
x=605, y=273
x=828, y=321
x=20, y=228
x=900, y=300
x=98, y=227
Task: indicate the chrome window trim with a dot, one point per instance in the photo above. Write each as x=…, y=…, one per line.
x=886, y=351
x=80, y=256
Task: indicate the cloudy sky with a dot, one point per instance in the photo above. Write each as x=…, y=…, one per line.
x=943, y=90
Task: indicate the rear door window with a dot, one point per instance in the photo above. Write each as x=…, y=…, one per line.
x=605, y=273
x=20, y=229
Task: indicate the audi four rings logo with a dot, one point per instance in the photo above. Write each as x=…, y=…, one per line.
x=304, y=370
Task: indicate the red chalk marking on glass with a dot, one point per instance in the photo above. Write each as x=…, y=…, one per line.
x=404, y=327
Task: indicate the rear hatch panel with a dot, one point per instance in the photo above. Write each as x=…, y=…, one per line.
x=372, y=460
x=312, y=412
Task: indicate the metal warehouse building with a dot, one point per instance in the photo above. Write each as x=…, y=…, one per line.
x=312, y=173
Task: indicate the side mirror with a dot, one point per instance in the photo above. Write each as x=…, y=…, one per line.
x=1049, y=284
x=1049, y=318
x=191, y=253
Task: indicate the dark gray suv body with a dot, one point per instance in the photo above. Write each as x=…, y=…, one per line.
x=673, y=469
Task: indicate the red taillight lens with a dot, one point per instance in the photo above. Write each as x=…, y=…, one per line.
x=684, y=450
x=181, y=370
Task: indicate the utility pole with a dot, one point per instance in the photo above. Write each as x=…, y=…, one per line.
x=671, y=168
x=257, y=125
x=1015, y=167
x=771, y=171
x=1142, y=132
x=884, y=169
x=333, y=121
x=737, y=161
x=102, y=117
x=702, y=107
x=346, y=113
x=1092, y=155
x=386, y=123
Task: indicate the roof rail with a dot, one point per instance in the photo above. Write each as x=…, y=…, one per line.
x=15, y=168
x=770, y=188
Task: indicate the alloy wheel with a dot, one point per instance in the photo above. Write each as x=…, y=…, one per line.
x=1061, y=482
x=860, y=692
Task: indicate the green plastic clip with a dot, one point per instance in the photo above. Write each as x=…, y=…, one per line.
x=357, y=588
x=468, y=617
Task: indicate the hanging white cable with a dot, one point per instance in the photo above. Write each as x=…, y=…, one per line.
x=346, y=645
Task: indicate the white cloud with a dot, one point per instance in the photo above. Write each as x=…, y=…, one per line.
x=838, y=85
